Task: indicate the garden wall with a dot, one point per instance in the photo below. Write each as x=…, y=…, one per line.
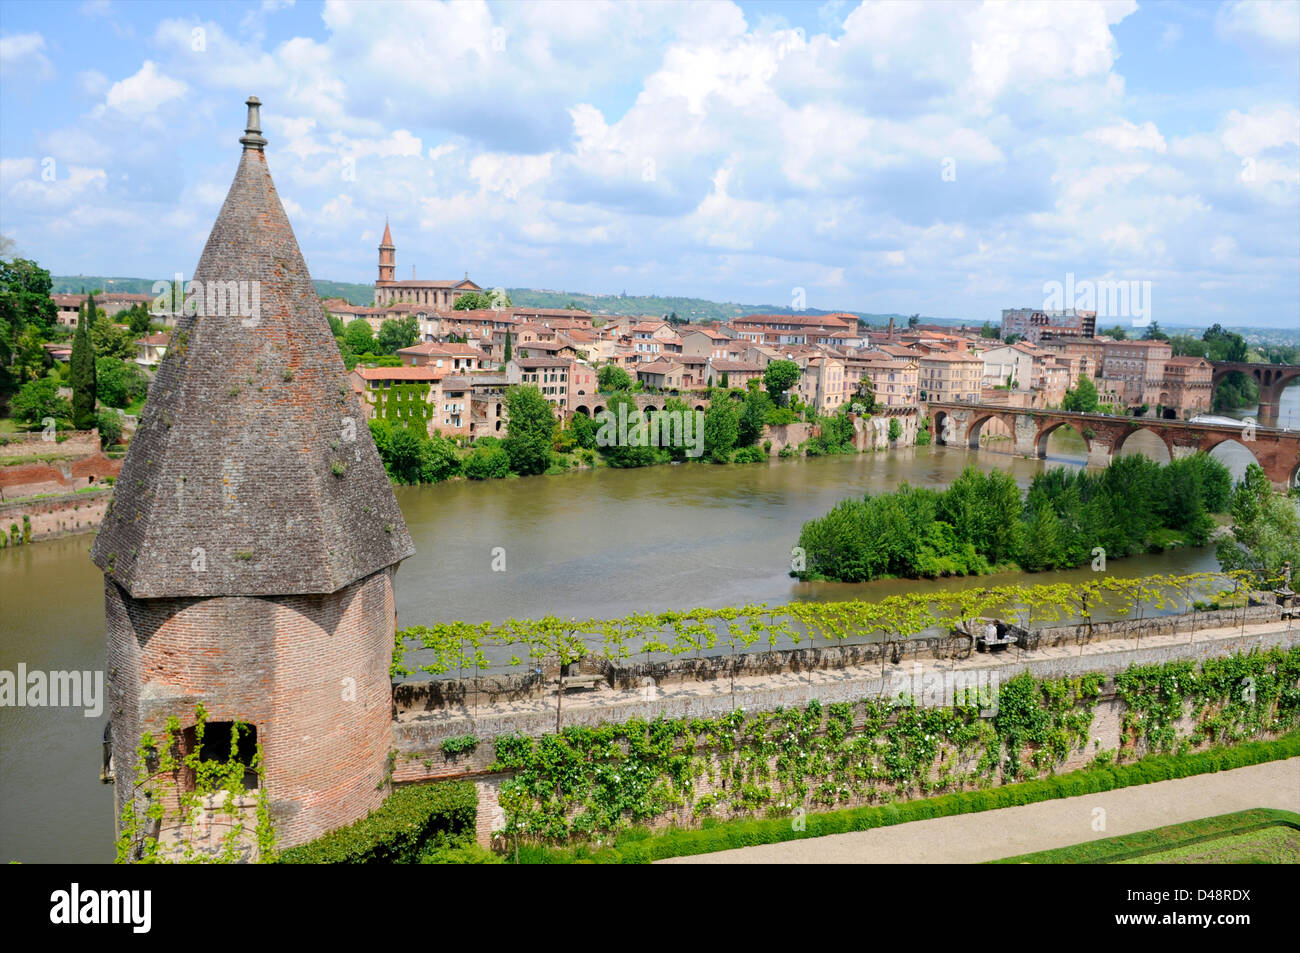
x=53, y=517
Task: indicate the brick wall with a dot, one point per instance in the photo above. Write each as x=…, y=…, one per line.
x=63, y=516
x=310, y=672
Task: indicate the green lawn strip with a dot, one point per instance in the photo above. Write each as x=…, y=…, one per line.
x=1279, y=844
x=639, y=846
x=1111, y=850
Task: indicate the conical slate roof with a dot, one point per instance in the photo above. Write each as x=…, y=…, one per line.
x=253, y=471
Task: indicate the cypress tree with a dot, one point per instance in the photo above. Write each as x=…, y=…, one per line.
x=82, y=377
x=507, y=344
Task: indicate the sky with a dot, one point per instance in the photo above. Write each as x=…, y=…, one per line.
x=951, y=159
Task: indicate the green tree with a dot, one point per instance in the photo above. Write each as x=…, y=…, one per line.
x=487, y=463
x=1265, y=529
x=630, y=448
x=508, y=354
x=895, y=428
x=110, y=340
x=753, y=416
x=109, y=423
x=1117, y=333
x=721, y=430
x=779, y=377
x=866, y=395
x=118, y=383
x=1083, y=398
x=914, y=320
x=531, y=430
x=395, y=334
x=39, y=399
x=30, y=357
x=24, y=300
x=359, y=336
x=990, y=330
x=611, y=377
x=1153, y=333
x=83, y=370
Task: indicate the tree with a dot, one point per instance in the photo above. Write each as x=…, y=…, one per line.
x=629, y=448
x=83, y=370
x=110, y=340
x=30, y=357
x=531, y=430
x=117, y=383
x=39, y=399
x=895, y=429
x=990, y=330
x=481, y=300
x=1153, y=333
x=137, y=318
x=721, y=430
x=779, y=377
x=508, y=346
x=487, y=463
x=396, y=334
x=866, y=395
x=1083, y=398
x=914, y=320
x=24, y=300
x=753, y=416
x=1265, y=529
x=611, y=377
x=109, y=423
x=1117, y=332
x=359, y=336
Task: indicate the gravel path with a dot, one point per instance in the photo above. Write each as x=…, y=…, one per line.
x=1006, y=832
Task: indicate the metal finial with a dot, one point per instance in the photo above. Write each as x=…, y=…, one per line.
x=252, y=137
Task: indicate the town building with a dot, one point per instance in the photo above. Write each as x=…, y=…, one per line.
x=439, y=295
x=1032, y=323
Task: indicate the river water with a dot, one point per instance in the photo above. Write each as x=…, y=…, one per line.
x=601, y=543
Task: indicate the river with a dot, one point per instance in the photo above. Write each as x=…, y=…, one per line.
x=600, y=543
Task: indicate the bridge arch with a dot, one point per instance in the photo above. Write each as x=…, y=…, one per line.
x=598, y=409
x=650, y=408
x=1044, y=435
x=1233, y=454
x=582, y=409
x=941, y=419
x=977, y=426
x=1153, y=446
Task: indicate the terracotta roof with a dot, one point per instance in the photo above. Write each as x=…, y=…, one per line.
x=403, y=373
x=534, y=362
x=736, y=366
x=156, y=340
x=253, y=475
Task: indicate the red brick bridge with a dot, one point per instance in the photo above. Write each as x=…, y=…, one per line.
x=1271, y=378
x=959, y=424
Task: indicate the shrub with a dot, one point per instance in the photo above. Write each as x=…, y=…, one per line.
x=410, y=821
x=487, y=463
x=749, y=455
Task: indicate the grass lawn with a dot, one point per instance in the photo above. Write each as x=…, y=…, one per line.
x=9, y=425
x=1272, y=845
x=1258, y=836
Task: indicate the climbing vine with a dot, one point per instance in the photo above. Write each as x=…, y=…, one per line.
x=590, y=782
x=159, y=804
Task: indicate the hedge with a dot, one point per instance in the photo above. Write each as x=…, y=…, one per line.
x=639, y=847
x=399, y=830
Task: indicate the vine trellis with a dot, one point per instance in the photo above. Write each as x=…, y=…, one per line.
x=465, y=646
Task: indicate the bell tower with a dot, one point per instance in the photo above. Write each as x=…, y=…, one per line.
x=387, y=256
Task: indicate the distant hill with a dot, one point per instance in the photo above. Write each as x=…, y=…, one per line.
x=75, y=284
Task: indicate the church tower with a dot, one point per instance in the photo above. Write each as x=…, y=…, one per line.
x=250, y=549
x=387, y=256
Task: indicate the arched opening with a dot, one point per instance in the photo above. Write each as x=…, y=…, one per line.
x=1235, y=456
x=650, y=408
x=1142, y=442
x=219, y=737
x=940, y=428
x=599, y=409
x=1063, y=442
x=990, y=431
x=582, y=409
x=699, y=407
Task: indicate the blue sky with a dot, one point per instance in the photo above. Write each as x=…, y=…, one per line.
x=946, y=158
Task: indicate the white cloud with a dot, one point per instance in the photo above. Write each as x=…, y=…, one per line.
x=1264, y=127
x=140, y=95
x=21, y=55
x=1270, y=23
x=1129, y=137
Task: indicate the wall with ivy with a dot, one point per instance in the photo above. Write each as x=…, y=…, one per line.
x=589, y=781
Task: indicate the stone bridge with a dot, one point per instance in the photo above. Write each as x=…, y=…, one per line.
x=959, y=424
x=1271, y=378
x=592, y=404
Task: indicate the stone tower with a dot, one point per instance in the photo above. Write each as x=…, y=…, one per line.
x=250, y=549
x=387, y=256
